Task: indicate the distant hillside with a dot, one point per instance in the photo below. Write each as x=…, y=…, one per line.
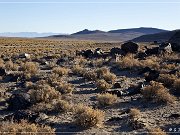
x=119, y=35
x=175, y=38
x=86, y=31
x=160, y=37
x=142, y=30
x=26, y=34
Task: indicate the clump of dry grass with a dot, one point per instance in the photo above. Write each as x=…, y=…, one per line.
x=106, y=99
x=128, y=62
x=30, y=68
x=1, y=63
x=176, y=86
x=102, y=71
x=25, y=128
x=9, y=65
x=43, y=93
x=167, y=79
x=88, y=117
x=134, y=113
x=110, y=77
x=150, y=62
x=156, y=131
x=64, y=87
x=98, y=62
x=81, y=61
x=60, y=71
x=103, y=85
x=62, y=106
x=78, y=70
x=90, y=75
x=158, y=93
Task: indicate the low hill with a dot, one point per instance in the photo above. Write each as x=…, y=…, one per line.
x=119, y=35
x=160, y=37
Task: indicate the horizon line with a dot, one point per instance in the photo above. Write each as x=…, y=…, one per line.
x=94, y=2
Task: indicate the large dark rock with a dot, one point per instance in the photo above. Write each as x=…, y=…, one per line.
x=116, y=50
x=152, y=76
x=175, y=41
x=165, y=47
x=2, y=71
x=152, y=51
x=20, y=115
x=85, y=53
x=19, y=101
x=130, y=47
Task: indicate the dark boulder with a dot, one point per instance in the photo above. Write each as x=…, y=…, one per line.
x=20, y=115
x=2, y=72
x=141, y=55
x=130, y=47
x=19, y=101
x=152, y=51
x=116, y=50
x=117, y=85
x=175, y=41
x=12, y=78
x=115, y=92
x=62, y=60
x=152, y=76
x=165, y=48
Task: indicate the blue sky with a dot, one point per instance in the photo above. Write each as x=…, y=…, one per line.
x=68, y=16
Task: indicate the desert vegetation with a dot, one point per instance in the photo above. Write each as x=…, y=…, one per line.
x=60, y=86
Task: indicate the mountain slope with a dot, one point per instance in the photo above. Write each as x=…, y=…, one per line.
x=114, y=35
x=160, y=37
x=142, y=30
x=26, y=34
x=86, y=31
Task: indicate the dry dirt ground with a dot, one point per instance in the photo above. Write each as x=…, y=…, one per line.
x=117, y=118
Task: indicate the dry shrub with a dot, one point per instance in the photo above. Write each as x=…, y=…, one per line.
x=11, y=66
x=103, y=85
x=81, y=61
x=1, y=63
x=128, y=62
x=109, y=77
x=60, y=71
x=156, y=131
x=88, y=117
x=176, y=86
x=151, y=62
x=134, y=113
x=24, y=128
x=30, y=68
x=167, y=79
x=158, y=93
x=62, y=106
x=102, y=71
x=64, y=87
x=53, y=79
x=43, y=93
x=98, y=62
x=78, y=70
x=90, y=75
x=168, y=66
x=106, y=99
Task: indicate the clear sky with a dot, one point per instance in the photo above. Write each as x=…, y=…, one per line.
x=68, y=16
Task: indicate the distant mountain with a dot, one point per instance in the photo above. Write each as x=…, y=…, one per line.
x=26, y=34
x=119, y=35
x=142, y=30
x=175, y=38
x=160, y=37
x=86, y=31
